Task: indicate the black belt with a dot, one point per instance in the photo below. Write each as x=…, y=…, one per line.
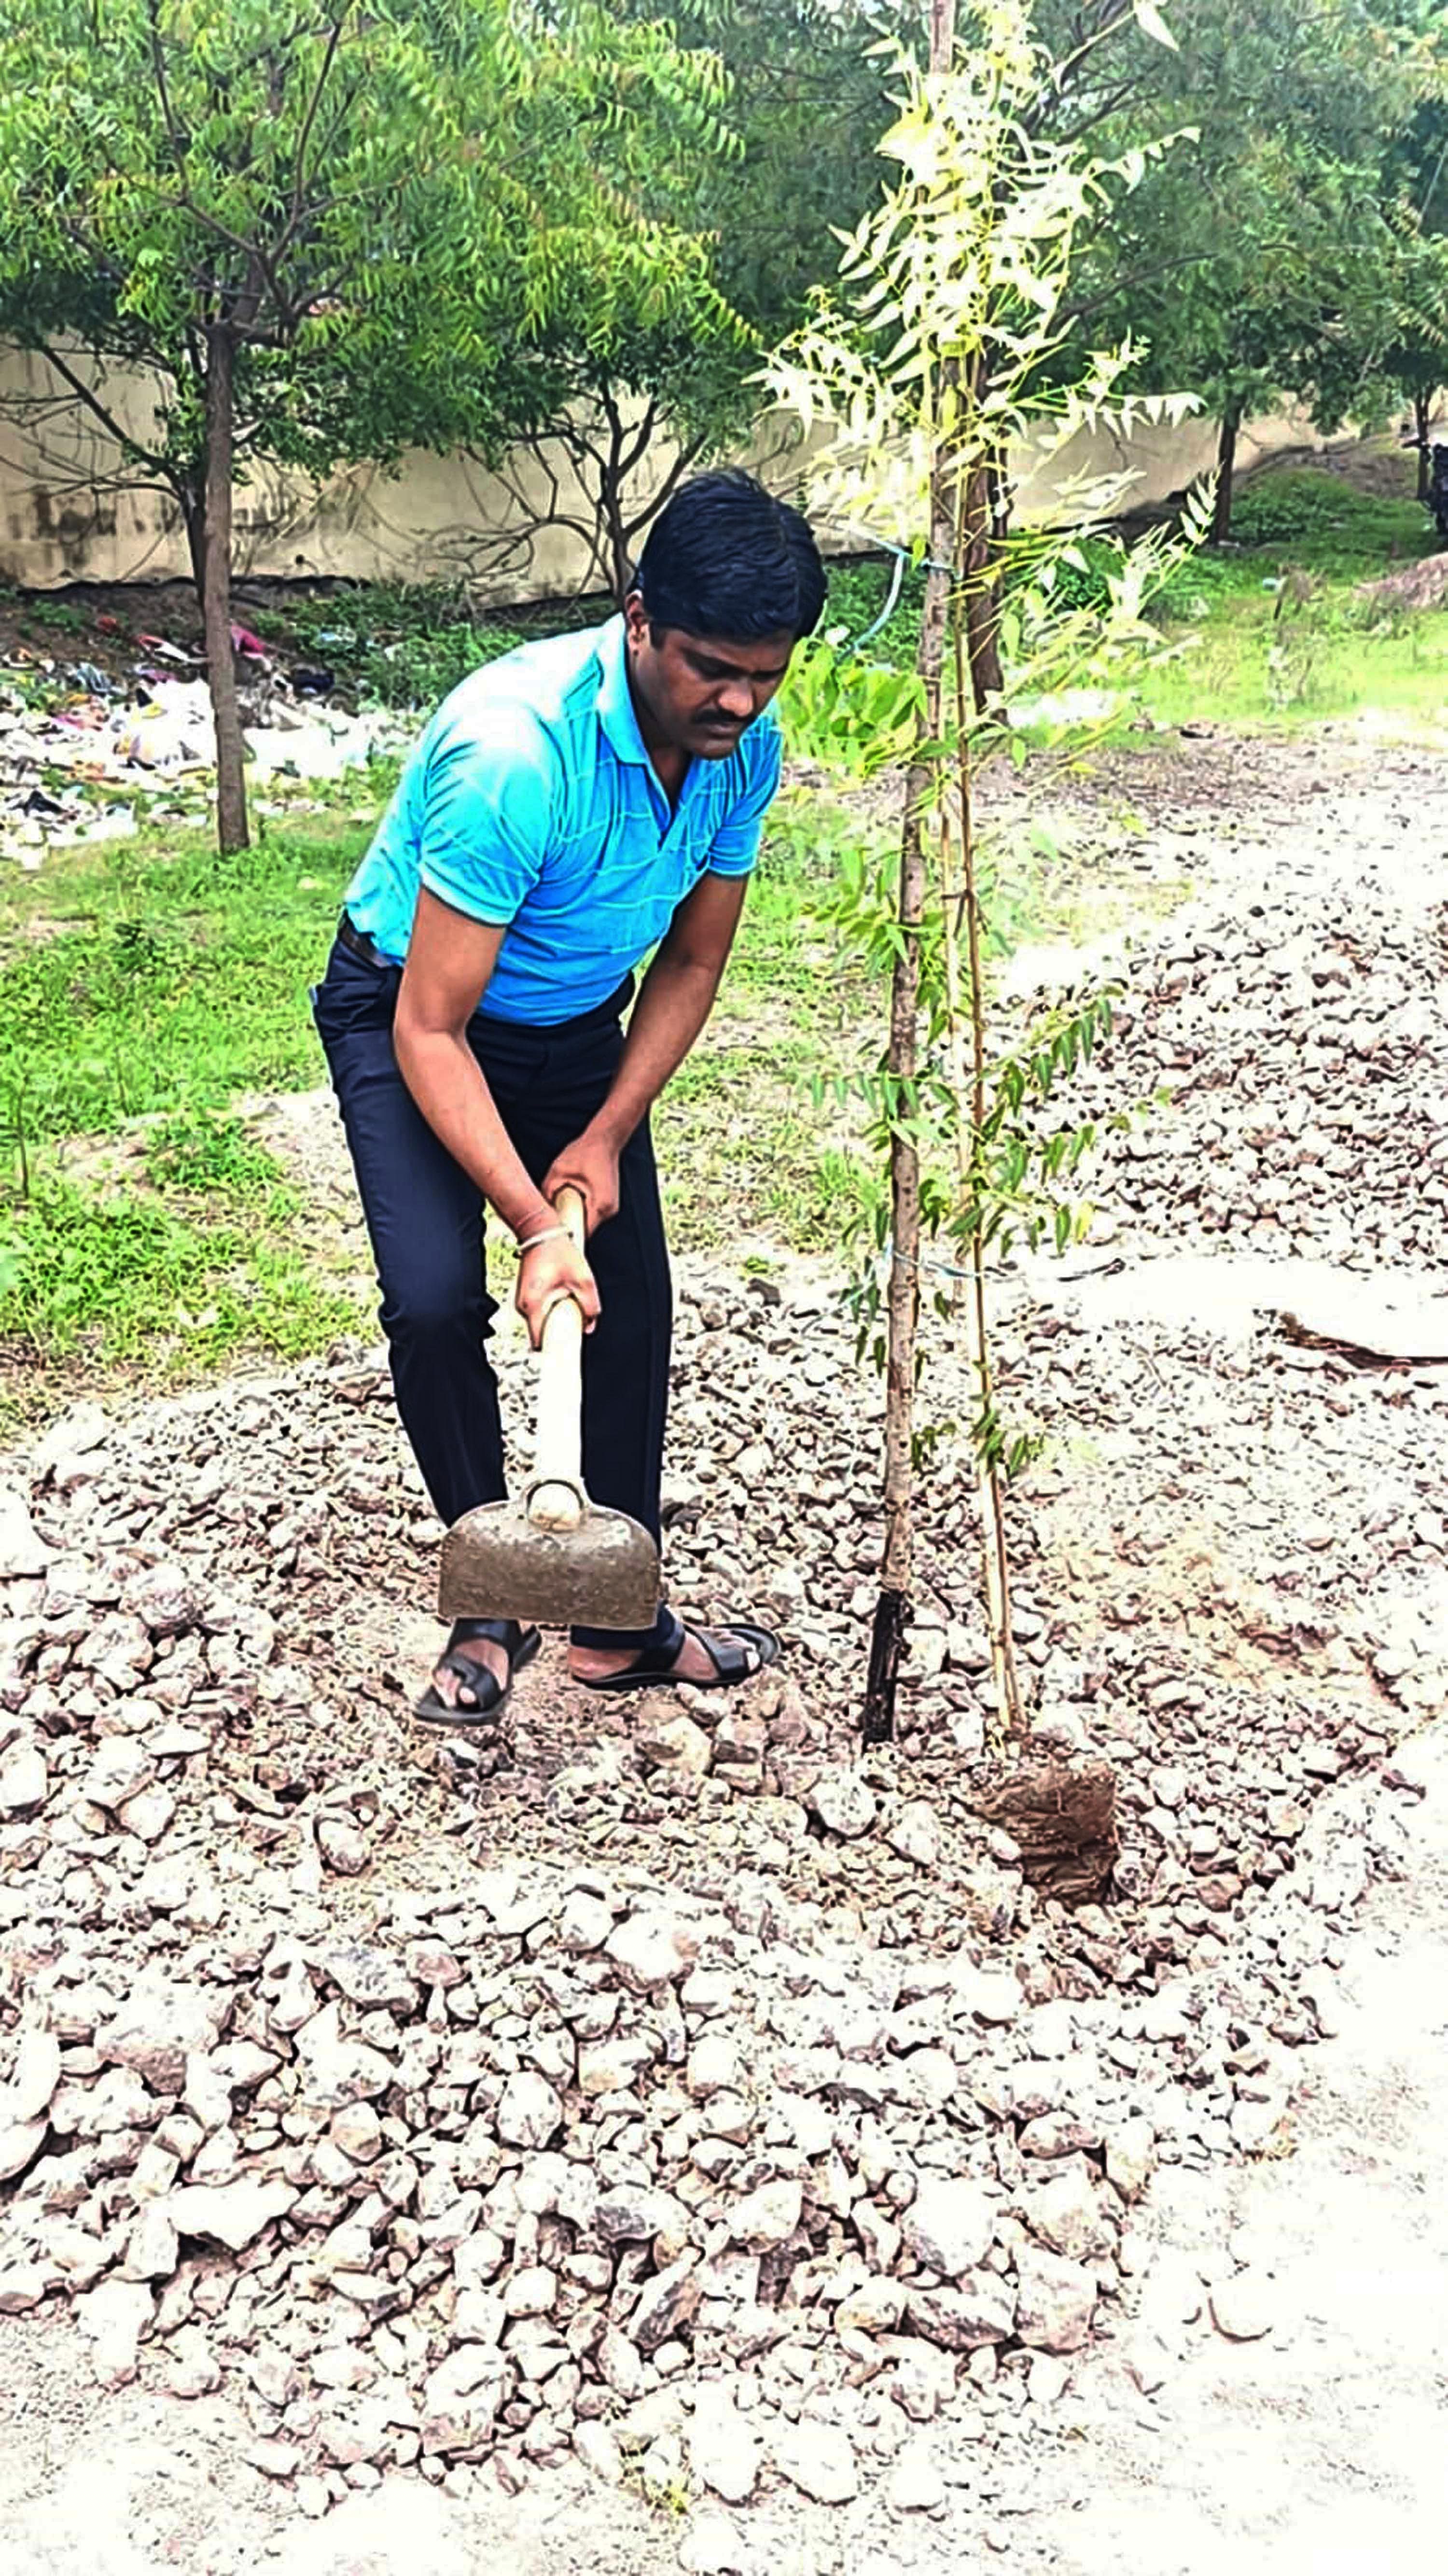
x=350, y=937
x=360, y=945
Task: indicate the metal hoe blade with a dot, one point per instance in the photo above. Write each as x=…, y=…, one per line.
x=498, y=1564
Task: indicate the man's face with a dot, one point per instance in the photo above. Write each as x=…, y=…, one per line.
x=701, y=691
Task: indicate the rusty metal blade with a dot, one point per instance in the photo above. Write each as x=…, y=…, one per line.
x=496, y=1564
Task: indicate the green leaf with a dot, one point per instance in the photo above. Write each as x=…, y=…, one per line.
x=1151, y=22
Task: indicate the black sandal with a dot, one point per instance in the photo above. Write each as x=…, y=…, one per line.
x=743, y=1650
x=489, y=1697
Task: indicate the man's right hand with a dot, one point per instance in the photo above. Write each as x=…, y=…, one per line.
x=553, y=1270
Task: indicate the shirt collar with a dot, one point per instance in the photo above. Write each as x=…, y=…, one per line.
x=615, y=705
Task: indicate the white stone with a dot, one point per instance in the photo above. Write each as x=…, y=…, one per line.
x=22, y=1549
x=31, y=2088
x=461, y=2400
x=724, y=2449
x=967, y=2316
x=711, y=2546
x=1245, y=2308
x=158, y=2026
x=164, y=1598
x=949, y=2225
x=530, y=2112
x=356, y=2129
x=149, y=1815
x=915, y=2484
x=22, y=2287
x=1131, y=2157
x=192, y=2367
x=531, y=2292
x=24, y=1780
x=339, y=2070
x=816, y=2458
x=1068, y=2213
x=1055, y=2301
x=767, y=2216
x=612, y=2065
x=343, y=1845
x=235, y=2213
x=714, y=2066
x=915, y=1833
x=598, y=2451
x=675, y=1748
x=651, y=1950
x=585, y=1923
x=119, y=1769
x=152, y=2250
x=1048, y=2379
x=369, y=1976
x=992, y=1995
x=20, y=2144
x=114, y=2317
x=876, y=2307
x=843, y=1802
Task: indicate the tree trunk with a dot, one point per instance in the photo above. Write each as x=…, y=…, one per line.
x=892, y=1610
x=1422, y=408
x=231, y=831
x=1226, y=459
x=619, y=552
x=982, y=594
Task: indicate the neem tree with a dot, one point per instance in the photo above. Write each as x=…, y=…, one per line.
x=941, y=356
x=328, y=232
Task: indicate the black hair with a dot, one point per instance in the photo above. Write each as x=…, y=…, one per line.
x=724, y=558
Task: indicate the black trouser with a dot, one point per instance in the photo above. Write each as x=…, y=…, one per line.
x=425, y=1219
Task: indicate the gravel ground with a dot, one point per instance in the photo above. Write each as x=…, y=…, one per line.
x=691, y=2142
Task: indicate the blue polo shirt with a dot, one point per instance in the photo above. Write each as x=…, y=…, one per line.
x=531, y=801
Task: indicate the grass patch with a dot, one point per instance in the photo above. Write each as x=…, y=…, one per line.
x=149, y=981
x=150, y=975
x=1328, y=519
x=1276, y=630
x=112, y=1279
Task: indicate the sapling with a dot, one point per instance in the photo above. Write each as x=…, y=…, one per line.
x=942, y=353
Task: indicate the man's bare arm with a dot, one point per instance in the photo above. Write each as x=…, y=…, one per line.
x=676, y=999
x=449, y=963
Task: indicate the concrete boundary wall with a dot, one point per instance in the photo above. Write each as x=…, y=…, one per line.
x=70, y=509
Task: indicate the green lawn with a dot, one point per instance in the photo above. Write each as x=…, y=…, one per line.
x=143, y=983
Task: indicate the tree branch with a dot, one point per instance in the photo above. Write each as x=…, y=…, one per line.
x=85, y=394
x=334, y=39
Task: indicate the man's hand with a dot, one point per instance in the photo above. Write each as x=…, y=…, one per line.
x=554, y=1270
x=590, y=1166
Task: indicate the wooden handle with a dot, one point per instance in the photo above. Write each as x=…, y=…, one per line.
x=556, y=1498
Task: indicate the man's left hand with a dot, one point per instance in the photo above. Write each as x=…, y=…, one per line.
x=590, y=1166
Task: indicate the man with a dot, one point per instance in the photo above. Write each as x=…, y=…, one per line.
x=570, y=807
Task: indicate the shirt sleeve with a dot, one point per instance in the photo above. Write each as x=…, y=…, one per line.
x=735, y=846
x=487, y=809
